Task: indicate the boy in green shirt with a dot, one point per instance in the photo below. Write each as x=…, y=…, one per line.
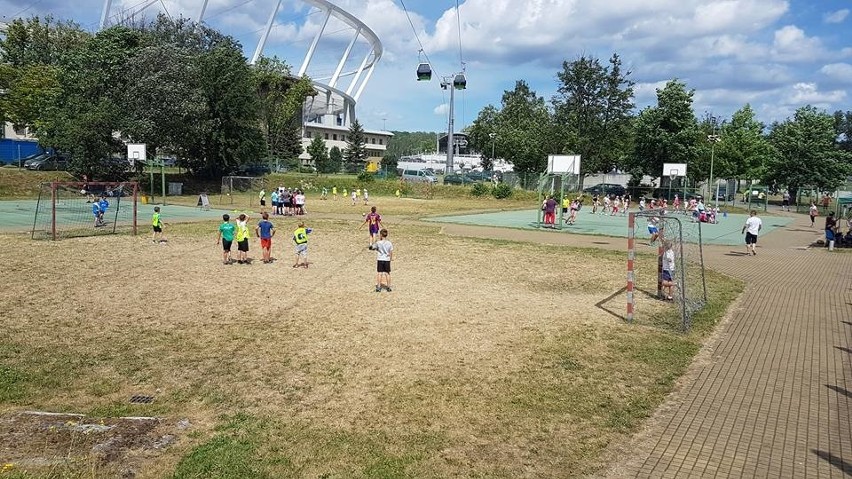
x=157, y=225
x=226, y=237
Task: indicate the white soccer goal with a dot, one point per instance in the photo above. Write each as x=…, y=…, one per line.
x=241, y=189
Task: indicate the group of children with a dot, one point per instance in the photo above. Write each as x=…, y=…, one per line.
x=99, y=209
x=285, y=201
x=239, y=232
x=355, y=195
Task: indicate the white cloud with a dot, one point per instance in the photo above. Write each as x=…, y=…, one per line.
x=442, y=110
x=836, y=17
x=808, y=94
x=791, y=44
x=838, y=71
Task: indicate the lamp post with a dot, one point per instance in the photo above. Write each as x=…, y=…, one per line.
x=713, y=139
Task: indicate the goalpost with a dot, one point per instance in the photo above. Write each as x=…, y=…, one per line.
x=645, y=272
x=235, y=185
x=65, y=209
x=563, y=175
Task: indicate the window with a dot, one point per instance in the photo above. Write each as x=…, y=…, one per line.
x=381, y=141
x=21, y=130
x=308, y=134
x=373, y=141
x=326, y=136
x=344, y=137
x=334, y=136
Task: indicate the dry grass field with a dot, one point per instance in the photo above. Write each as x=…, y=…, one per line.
x=488, y=359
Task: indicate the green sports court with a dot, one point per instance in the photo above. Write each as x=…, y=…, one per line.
x=19, y=215
x=726, y=232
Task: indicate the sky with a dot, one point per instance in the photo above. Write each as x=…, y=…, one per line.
x=775, y=55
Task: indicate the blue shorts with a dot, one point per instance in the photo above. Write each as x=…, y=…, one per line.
x=829, y=235
x=667, y=275
x=652, y=230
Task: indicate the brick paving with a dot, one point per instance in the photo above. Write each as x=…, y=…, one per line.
x=772, y=396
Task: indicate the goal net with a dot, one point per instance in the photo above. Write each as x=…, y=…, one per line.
x=665, y=263
x=241, y=190
x=71, y=209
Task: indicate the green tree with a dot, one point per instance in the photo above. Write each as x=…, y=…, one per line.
x=843, y=128
x=40, y=41
x=667, y=133
x=281, y=97
x=593, y=111
x=27, y=91
x=524, y=129
x=744, y=150
x=335, y=160
x=482, y=128
x=806, y=152
x=319, y=155
x=355, y=155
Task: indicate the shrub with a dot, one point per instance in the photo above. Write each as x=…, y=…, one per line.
x=502, y=191
x=366, y=177
x=480, y=189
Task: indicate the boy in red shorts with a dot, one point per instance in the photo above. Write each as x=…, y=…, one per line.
x=265, y=231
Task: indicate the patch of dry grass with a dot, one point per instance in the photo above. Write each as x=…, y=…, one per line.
x=489, y=359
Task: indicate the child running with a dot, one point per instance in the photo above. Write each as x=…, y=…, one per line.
x=813, y=212
x=366, y=197
x=157, y=224
x=300, y=237
x=334, y=192
x=653, y=230
x=354, y=197
x=242, y=239
x=265, y=231
x=226, y=237
x=384, y=256
x=374, y=220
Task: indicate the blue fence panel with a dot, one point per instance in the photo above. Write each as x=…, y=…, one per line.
x=12, y=150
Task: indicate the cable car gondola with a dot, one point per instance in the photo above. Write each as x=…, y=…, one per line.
x=460, y=82
x=424, y=72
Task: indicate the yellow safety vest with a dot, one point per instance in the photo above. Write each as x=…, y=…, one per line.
x=300, y=236
x=155, y=220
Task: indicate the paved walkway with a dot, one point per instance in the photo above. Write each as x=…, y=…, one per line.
x=770, y=394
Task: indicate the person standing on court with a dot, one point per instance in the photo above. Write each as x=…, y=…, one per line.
x=830, y=227
x=751, y=228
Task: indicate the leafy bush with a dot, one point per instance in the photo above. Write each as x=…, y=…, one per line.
x=480, y=189
x=502, y=191
x=366, y=177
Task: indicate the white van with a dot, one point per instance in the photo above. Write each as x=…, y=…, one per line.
x=418, y=176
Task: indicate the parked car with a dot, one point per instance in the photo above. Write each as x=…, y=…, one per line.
x=35, y=158
x=459, y=179
x=606, y=189
x=50, y=162
x=418, y=176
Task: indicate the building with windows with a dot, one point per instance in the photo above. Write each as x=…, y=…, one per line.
x=333, y=135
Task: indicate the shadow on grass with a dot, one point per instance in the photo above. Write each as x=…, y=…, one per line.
x=602, y=304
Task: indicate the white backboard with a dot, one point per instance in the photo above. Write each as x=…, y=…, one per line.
x=136, y=152
x=563, y=164
x=674, y=169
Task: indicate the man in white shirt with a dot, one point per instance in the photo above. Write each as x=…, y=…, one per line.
x=751, y=228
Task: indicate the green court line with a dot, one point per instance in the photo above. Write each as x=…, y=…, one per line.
x=726, y=232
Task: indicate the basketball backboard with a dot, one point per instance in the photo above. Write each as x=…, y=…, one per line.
x=563, y=164
x=674, y=169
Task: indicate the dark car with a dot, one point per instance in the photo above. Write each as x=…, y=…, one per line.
x=606, y=189
x=459, y=179
x=50, y=162
x=34, y=158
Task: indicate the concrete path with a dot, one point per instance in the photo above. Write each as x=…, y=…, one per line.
x=771, y=393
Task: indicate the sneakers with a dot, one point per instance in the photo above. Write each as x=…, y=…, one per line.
x=378, y=289
x=388, y=289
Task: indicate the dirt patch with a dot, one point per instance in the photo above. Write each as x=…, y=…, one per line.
x=37, y=442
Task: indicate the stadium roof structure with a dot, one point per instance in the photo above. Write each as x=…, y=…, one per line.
x=340, y=57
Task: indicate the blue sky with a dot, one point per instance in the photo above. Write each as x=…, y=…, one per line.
x=776, y=55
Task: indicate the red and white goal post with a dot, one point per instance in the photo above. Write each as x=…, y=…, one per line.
x=689, y=292
x=65, y=209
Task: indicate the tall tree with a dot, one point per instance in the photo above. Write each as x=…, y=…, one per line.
x=335, y=160
x=319, y=155
x=843, y=128
x=281, y=97
x=524, y=129
x=806, y=152
x=743, y=151
x=355, y=154
x=40, y=41
x=593, y=109
x=668, y=132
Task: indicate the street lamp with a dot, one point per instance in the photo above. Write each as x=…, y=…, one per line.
x=713, y=139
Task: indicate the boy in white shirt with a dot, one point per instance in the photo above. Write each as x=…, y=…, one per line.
x=384, y=250
x=751, y=228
